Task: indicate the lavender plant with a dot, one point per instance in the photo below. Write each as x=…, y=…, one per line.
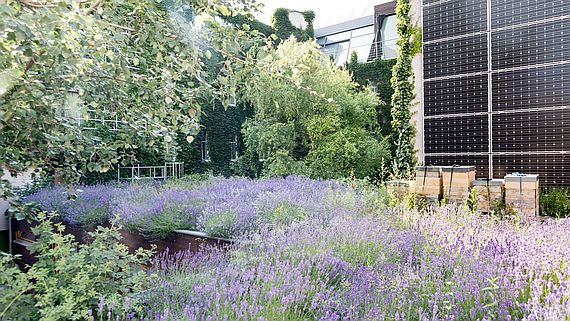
x=155, y=212
x=84, y=205
x=400, y=264
x=322, y=250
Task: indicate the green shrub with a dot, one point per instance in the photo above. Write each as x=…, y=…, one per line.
x=285, y=214
x=554, y=202
x=312, y=119
x=69, y=280
x=220, y=224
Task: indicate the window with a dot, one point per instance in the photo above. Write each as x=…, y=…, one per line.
x=234, y=148
x=340, y=45
x=232, y=101
x=205, y=148
x=263, y=156
x=338, y=52
x=389, y=37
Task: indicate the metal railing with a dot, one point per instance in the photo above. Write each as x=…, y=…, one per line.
x=138, y=172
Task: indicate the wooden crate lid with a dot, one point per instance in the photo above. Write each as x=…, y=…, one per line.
x=488, y=182
x=428, y=169
x=517, y=177
x=458, y=169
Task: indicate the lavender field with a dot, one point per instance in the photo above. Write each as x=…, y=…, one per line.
x=323, y=250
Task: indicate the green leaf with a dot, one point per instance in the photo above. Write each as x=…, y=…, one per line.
x=224, y=10
x=8, y=79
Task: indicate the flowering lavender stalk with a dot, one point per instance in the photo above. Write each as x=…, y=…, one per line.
x=84, y=205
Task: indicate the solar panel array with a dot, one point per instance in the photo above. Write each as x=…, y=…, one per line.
x=497, y=86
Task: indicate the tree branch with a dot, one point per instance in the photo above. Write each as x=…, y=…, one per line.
x=121, y=27
x=94, y=6
x=36, y=4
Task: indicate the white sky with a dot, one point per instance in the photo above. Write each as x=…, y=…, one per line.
x=327, y=12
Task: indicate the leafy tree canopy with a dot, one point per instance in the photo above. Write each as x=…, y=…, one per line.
x=309, y=117
x=66, y=65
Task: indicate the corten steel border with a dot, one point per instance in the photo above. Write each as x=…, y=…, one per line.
x=182, y=240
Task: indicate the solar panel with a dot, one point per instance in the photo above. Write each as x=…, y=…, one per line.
x=538, y=130
x=481, y=162
x=552, y=169
x=512, y=12
x=531, y=45
x=454, y=18
x=456, y=134
x=541, y=87
x=528, y=75
x=454, y=57
x=456, y=96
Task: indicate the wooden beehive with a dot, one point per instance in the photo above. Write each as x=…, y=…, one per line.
x=429, y=182
x=457, y=182
x=400, y=188
x=521, y=191
x=489, y=193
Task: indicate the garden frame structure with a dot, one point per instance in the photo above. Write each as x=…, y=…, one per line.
x=495, y=86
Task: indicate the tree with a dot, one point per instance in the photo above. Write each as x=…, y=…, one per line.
x=309, y=117
x=403, y=128
x=66, y=64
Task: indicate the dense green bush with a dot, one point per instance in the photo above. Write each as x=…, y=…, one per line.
x=554, y=202
x=310, y=118
x=69, y=279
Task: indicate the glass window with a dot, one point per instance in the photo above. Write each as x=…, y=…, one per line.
x=363, y=31
x=338, y=52
x=361, y=45
x=205, y=148
x=233, y=148
x=389, y=37
x=343, y=36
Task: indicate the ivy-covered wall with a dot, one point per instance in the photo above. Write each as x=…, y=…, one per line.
x=377, y=73
x=284, y=28
x=221, y=125
x=253, y=24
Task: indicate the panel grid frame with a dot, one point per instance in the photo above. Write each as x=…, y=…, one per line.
x=528, y=95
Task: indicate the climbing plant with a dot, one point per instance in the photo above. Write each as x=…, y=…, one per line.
x=403, y=129
x=284, y=28
x=377, y=74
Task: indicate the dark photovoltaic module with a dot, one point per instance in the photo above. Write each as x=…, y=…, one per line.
x=496, y=86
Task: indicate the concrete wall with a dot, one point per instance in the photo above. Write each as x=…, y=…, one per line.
x=417, y=67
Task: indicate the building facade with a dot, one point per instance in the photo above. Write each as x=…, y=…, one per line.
x=494, y=86
x=373, y=36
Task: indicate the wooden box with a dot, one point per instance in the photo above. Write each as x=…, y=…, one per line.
x=400, y=188
x=457, y=182
x=489, y=193
x=429, y=182
x=522, y=191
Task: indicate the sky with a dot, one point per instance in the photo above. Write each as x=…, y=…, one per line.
x=327, y=12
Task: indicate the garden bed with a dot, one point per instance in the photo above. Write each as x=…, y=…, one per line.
x=181, y=240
